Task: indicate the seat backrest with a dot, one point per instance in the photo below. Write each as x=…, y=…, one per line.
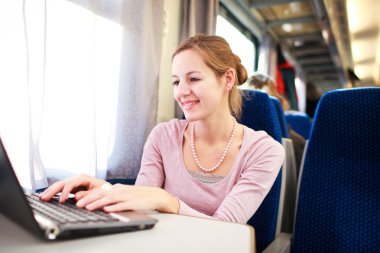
x=259, y=114
x=300, y=122
x=338, y=200
x=281, y=116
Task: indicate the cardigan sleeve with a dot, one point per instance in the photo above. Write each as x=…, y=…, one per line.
x=253, y=185
x=151, y=170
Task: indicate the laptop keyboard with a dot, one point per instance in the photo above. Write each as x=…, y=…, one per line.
x=63, y=213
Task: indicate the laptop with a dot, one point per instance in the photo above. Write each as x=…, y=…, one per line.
x=52, y=220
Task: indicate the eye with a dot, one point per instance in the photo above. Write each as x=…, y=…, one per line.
x=194, y=79
x=175, y=82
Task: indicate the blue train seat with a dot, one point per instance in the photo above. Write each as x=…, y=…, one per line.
x=300, y=122
x=339, y=198
x=259, y=113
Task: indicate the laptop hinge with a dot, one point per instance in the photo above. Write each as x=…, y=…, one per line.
x=50, y=228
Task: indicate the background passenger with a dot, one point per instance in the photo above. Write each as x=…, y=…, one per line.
x=266, y=84
x=207, y=165
x=313, y=95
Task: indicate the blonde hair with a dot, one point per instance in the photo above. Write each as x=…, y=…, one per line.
x=218, y=56
x=265, y=83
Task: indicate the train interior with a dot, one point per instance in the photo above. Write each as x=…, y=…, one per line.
x=102, y=80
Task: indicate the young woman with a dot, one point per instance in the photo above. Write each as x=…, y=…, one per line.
x=207, y=165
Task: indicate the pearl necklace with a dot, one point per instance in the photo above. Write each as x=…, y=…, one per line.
x=221, y=158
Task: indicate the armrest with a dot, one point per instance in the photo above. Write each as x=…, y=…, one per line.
x=280, y=245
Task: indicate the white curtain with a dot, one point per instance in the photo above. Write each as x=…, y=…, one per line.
x=198, y=17
x=78, y=86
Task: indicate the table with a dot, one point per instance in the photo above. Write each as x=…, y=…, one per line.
x=173, y=233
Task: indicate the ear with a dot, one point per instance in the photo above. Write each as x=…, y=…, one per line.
x=229, y=78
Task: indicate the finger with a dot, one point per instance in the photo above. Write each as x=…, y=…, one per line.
x=70, y=185
x=92, y=197
x=79, y=195
x=106, y=198
x=52, y=191
x=117, y=207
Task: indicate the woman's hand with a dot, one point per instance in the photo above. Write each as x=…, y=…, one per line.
x=126, y=197
x=81, y=185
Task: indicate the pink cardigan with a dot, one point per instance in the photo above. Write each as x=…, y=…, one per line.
x=235, y=198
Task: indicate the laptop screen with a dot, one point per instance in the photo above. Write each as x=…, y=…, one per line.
x=13, y=203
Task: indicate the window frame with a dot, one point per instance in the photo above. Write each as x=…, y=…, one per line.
x=233, y=20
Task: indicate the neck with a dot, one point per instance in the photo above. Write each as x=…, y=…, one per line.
x=214, y=130
x=224, y=153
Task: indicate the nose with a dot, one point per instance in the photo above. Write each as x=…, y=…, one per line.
x=183, y=88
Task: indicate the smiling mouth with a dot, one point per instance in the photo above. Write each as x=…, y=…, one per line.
x=189, y=105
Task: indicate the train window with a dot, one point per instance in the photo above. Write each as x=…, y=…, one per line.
x=239, y=42
x=58, y=62
x=69, y=69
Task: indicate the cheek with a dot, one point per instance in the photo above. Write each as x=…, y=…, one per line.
x=219, y=93
x=175, y=93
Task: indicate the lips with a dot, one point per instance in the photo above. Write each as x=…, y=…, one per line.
x=188, y=105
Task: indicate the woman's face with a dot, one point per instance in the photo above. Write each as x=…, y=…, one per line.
x=196, y=88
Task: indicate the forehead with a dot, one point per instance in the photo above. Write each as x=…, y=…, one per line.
x=186, y=60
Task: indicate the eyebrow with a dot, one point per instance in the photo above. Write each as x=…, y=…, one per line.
x=189, y=73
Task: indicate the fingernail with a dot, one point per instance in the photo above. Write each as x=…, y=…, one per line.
x=80, y=203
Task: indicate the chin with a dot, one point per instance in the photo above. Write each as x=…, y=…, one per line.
x=192, y=117
x=189, y=117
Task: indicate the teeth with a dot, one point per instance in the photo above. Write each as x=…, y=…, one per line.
x=188, y=105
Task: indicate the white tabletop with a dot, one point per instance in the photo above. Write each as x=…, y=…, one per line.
x=173, y=233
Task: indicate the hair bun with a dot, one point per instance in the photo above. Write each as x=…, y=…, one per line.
x=241, y=71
